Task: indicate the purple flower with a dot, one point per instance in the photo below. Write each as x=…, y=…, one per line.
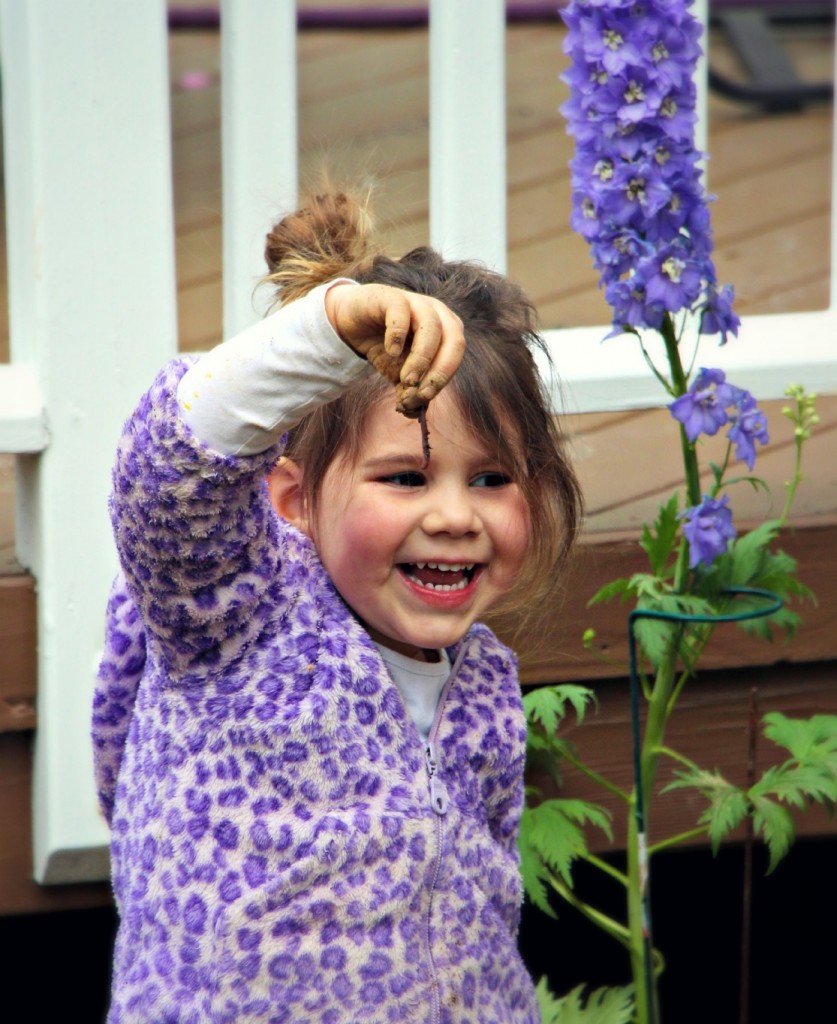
x=718, y=316
x=703, y=408
x=749, y=425
x=710, y=403
x=708, y=529
x=638, y=198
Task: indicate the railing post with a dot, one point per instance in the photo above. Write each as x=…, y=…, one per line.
x=92, y=316
x=259, y=140
x=468, y=130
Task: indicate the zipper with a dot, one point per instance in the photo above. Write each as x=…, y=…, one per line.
x=439, y=801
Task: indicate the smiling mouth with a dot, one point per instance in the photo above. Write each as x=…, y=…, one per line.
x=441, y=576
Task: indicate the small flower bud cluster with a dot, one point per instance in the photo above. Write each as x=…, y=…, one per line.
x=637, y=192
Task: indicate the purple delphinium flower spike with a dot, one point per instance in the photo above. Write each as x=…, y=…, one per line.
x=638, y=198
x=708, y=529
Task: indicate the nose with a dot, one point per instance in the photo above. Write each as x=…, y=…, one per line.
x=451, y=510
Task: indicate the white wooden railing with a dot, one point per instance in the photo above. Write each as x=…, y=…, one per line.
x=93, y=303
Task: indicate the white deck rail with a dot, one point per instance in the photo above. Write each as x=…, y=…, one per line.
x=92, y=294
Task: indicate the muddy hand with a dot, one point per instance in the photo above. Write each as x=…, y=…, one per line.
x=413, y=340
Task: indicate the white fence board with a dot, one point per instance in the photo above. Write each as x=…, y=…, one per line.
x=259, y=141
x=468, y=130
x=92, y=314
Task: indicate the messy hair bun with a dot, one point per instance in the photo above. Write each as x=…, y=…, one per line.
x=329, y=237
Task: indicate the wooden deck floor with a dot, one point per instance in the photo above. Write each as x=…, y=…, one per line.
x=364, y=112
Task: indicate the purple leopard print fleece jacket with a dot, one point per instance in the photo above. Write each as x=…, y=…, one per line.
x=284, y=846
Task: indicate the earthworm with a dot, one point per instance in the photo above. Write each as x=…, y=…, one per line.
x=425, y=436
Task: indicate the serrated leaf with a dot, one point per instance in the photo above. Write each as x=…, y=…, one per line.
x=555, y=832
x=659, y=539
x=775, y=825
x=648, y=587
x=796, y=784
x=762, y=628
x=547, y=705
x=602, y=1006
x=533, y=872
x=620, y=588
x=654, y=638
x=728, y=804
x=806, y=739
x=747, y=551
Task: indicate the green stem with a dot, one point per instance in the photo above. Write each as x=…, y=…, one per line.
x=719, y=483
x=636, y=928
x=607, y=924
x=608, y=869
x=682, y=837
x=594, y=776
x=680, y=385
x=794, y=482
x=678, y=757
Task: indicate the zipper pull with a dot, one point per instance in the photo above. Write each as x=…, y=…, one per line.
x=439, y=799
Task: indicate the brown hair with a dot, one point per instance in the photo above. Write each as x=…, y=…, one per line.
x=497, y=385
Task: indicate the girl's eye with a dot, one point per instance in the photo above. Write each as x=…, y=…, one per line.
x=494, y=479
x=405, y=479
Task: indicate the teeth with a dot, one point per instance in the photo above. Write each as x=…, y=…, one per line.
x=461, y=585
x=446, y=566
x=455, y=567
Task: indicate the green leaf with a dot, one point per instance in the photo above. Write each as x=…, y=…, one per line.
x=616, y=588
x=602, y=1006
x=533, y=871
x=659, y=539
x=655, y=638
x=746, y=552
x=797, y=784
x=775, y=824
x=807, y=739
x=728, y=804
x=548, y=704
x=554, y=830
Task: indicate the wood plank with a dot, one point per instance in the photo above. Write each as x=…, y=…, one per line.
x=18, y=675
x=19, y=893
x=622, y=493
x=555, y=653
x=551, y=649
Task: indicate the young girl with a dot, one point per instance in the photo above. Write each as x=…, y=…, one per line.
x=310, y=751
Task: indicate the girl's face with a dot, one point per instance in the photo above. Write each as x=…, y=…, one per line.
x=420, y=554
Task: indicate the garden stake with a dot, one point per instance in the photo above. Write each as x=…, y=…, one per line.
x=747, y=880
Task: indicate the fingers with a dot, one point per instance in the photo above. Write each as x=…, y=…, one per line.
x=436, y=350
x=383, y=323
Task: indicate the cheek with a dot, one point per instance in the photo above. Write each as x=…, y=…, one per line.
x=350, y=537
x=517, y=530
